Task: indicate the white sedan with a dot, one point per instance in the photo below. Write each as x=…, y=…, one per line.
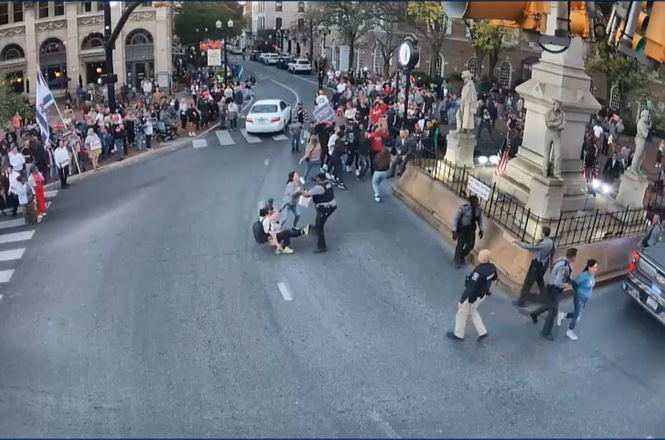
x=268, y=116
x=301, y=65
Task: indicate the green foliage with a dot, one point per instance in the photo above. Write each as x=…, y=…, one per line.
x=11, y=102
x=353, y=19
x=486, y=39
x=430, y=22
x=307, y=30
x=387, y=31
x=455, y=76
x=190, y=16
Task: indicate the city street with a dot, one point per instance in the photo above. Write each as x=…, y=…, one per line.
x=143, y=307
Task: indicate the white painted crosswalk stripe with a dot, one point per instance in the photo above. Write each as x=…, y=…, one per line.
x=14, y=254
x=280, y=137
x=224, y=138
x=17, y=236
x=50, y=194
x=15, y=223
x=250, y=138
x=6, y=275
x=200, y=143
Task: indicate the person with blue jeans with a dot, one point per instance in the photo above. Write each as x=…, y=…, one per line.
x=118, y=138
x=381, y=172
x=290, y=201
x=312, y=156
x=583, y=286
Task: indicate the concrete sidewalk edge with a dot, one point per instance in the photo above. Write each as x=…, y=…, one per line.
x=180, y=143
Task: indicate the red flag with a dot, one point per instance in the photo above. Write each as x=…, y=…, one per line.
x=503, y=159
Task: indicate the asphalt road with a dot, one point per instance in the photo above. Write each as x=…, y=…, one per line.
x=143, y=307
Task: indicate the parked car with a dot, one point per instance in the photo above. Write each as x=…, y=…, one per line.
x=236, y=50
x=268, y=116
x=255, y=55
x=645, y=283
x=270, y=59
x=283, y=62
x=300, y=65
x=262, y=56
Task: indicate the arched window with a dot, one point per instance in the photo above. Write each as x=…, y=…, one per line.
x=51, y=46
x=377, y=60
x=505, y=74
x=12, y=52
x=93, y=41
x=615, y=99
x=301, y=6
x=138, y=37
x=472, y=66
x=592, y=87
x=361, y=59
x=438, y=68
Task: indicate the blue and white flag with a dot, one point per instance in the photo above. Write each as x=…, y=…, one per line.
x=43, y=102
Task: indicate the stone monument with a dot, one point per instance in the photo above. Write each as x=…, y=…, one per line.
x=462, y=141
x=633, y=184
x=555, y=120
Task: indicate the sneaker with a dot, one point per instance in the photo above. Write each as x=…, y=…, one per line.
x=302, y=180
x=453, y=336
x=341, y=185
x=287, y=250
x=305, y=230
x=357, y=173
x=348, y=169
x=481, y=337
x=518, y=303
x=571, y=335
x=278, y=251
x=559, y=318
x=377, y=199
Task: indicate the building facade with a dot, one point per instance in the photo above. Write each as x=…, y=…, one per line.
x=64, y=40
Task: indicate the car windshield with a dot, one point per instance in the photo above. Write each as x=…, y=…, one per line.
x=264, y=108
x=303, y=62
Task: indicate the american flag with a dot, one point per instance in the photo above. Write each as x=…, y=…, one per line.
x=504, y=156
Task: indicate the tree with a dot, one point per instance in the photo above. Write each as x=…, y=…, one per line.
x=11, y=102
x=353, y=19
x=190, y=16
x=486, y=40
x=387, y=33
x=430, y=22
x=307, y=25
x=618, y=69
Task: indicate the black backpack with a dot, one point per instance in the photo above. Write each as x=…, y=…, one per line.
x=259, y=234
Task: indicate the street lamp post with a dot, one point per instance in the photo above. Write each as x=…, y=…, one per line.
x=408, y=56
x=226, y=55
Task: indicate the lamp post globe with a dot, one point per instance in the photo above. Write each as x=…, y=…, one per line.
x=230, y=23
x=218, y=24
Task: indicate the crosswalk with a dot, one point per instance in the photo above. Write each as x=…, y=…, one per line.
x=227, y=138
x=15, y=234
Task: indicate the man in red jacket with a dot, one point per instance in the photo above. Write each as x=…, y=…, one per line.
x=376, y=139
x=378, y=110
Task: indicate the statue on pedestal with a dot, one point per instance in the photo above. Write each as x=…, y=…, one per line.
x=640, y=141
x=467, y=104
x=555, y=120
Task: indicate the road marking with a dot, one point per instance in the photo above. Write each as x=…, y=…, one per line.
x=199, y=143
x=280, y=137
x=12, y=223
x=17, y=236
x=50, y=194
x=6, y=275
x=383, y=425
x=291, y=90
x=244, y=107
x=250, y=138
x=286, y=293
x=14, y=254
x=224, y=138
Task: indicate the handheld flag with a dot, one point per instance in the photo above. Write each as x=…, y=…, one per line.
x=43, y=102
x=503, y=159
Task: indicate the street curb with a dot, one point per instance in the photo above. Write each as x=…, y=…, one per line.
x=180, y=143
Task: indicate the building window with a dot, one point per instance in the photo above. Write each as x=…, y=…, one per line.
x=505, y=74
x=58, y=8
x=12, y=52
x=43, y=10
x=361, y=59
x=91, y=7
x=592, y=87
x=278, y=23
x=11, y=12
x=301, y=6
x=93, y=41
x=278, y=6
x=472, y=66
x=301, y=24
x=138, y=36
x=53, y=61
x=437, y=69
x=376, y=67
x=615, y=99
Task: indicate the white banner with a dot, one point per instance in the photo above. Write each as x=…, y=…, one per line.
x=478, y=187
x=214, y=57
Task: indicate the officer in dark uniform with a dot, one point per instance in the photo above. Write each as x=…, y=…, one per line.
x=466, y=218
x=323, y=196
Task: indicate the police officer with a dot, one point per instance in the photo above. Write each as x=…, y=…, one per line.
x=558, y=282
x=323, y=196
x=542, y=257
x=477, y=289
x=465, y=221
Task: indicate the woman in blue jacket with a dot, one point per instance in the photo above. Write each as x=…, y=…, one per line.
x=583, y=286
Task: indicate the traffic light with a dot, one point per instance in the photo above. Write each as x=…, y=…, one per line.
x=579, y=19
x=160, y=4
x=529, y=16
x=638, y=41
x=655, y=34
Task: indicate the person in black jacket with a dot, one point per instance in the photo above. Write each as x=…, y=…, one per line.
x=477, y=289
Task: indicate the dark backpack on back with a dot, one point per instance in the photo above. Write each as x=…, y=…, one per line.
x=259, y=234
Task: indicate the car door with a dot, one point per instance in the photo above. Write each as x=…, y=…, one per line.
x=285, y=109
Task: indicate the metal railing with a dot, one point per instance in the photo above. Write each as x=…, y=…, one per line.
x=517, y=219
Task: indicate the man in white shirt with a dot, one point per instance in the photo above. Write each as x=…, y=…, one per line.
x=597, y=131
x=61, y=157
x=16, y=159
x=12, y=192
x=322, y=99
x=341, y=87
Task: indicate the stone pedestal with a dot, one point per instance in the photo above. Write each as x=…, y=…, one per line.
x=631, y=192
x=460, y=149
x=559, y=77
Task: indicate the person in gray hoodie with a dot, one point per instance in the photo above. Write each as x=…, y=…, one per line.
x=653, y=234
x=542, y=257
x=559, y=281
x=290, y=200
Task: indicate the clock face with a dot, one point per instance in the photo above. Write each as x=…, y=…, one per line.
x=404, y=54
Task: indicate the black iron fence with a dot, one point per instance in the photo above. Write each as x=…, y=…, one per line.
x=517, y=219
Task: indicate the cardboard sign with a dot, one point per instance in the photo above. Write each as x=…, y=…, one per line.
x=214, y=57
x=324, y=113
